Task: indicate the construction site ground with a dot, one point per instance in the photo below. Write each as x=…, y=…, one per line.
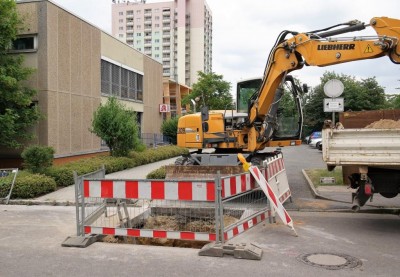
x=31, y=236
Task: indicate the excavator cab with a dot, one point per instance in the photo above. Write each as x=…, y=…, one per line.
x=289, y=115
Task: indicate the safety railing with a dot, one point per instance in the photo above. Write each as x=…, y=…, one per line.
x=7, y=181
x=205, y=210
x=201, y=210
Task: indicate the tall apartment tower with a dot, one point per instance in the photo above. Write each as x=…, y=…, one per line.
x=176, y=33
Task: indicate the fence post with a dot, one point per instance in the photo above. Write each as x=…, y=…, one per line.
x=219, y=213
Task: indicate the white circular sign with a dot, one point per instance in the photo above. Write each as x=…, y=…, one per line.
x=333, y=88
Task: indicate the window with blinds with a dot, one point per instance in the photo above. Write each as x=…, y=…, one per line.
x=121, y=82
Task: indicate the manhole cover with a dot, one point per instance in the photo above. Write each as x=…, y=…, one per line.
x=330, y=261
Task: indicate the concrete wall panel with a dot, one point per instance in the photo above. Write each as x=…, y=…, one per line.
x=64, y=125
x=76, y=47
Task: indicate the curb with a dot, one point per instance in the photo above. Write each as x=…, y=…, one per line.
x=39, y=202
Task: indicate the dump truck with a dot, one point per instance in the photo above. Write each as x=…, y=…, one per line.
x=369, y=157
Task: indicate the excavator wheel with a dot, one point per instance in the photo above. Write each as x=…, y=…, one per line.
x=256, y=161
x=184, y=161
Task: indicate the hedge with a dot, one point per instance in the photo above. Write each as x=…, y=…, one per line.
x=27, y=185
x=159, y=173
x=63, y=175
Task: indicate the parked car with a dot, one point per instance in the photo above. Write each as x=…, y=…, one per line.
x=315, y=142
x=313, y=135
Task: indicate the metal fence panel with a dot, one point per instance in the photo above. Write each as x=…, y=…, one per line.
x=8, y=177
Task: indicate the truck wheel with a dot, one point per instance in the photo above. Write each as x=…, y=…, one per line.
x=388, y=194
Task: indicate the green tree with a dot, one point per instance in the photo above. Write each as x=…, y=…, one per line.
x=17, y=112
x=366, y=94
x=169, y=128
x=117, y=126
x=212, y=91
x=393, y=101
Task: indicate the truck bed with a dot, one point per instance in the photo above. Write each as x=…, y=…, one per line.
x=370, y=147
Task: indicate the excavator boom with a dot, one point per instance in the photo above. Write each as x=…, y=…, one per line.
x=256, y=129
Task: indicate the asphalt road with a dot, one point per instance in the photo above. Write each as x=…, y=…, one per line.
x=31, y=237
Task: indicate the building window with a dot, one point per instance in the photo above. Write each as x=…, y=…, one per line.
x=156, y=25
x=156, y=48
x=156, y=55
x=138, y=34
x=156, y=40
x=121, y=82
x=121, y=13
x=121, y=35
x=130, y=12
x=138, y=19
x=138, y=27
x=121, y=28
x=157, y=18
x=138, y=11
x=28, y=43
x=138, y=41
x=121, y=21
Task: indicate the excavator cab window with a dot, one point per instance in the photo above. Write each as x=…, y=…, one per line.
x=289, y=115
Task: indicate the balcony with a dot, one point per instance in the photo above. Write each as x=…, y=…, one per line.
x=168, y=12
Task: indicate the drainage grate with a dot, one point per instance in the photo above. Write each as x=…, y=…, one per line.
x=330, y=261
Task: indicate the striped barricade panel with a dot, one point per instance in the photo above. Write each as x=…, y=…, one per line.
x=231, y=232
x=146, y=233
x=237, y=184
x=151, y=189
x=277, y=178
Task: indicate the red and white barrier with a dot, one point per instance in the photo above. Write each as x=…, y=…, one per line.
x=150, y=189
x=262, y=182
x=143, y=233
x=277, y=178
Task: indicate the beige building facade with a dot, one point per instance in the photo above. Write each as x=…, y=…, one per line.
x=78, y=66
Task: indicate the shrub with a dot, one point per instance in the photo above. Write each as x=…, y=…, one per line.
x=117, y=126
x=157, y=174
x=27, y=185
x=169, y=128
x=37, y=158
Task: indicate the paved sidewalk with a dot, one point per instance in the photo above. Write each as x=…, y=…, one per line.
x=66, y=196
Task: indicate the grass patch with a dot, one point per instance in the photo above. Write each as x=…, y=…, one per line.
x=316, y=174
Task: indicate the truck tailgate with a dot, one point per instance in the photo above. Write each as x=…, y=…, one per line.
x=372, y=147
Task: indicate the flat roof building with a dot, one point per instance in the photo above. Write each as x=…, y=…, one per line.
x=177, y=33
x=78, y=66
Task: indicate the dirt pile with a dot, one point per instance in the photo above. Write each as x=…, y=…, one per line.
x=384, y=124
x=173, y=223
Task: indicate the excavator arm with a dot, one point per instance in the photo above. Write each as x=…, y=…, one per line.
x=316, y=48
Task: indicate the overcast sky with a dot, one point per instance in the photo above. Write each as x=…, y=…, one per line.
x=245, y=31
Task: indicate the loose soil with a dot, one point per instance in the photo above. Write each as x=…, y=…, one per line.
x=384, y=124
x=172, y=223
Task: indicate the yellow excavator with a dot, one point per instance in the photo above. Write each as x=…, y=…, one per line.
x=262, y=125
